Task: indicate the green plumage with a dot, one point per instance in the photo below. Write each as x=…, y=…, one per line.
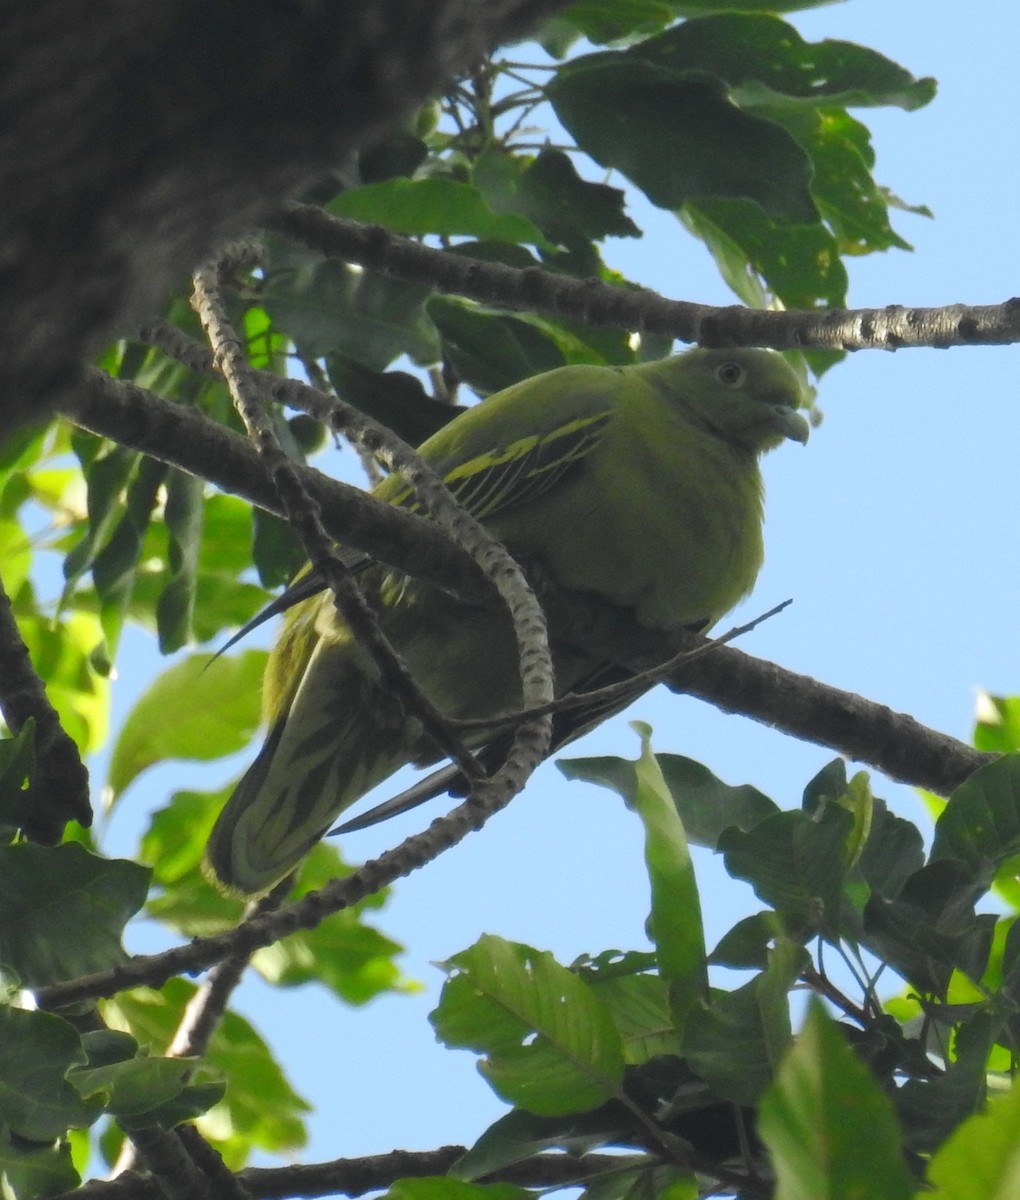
x=639, y=484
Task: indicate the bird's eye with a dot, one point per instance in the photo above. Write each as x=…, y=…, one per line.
x=729, y=373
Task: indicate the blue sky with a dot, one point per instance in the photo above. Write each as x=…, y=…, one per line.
x=893, y=531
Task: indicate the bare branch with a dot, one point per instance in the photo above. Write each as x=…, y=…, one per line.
x=356, y=1176
x=60, y=781
x=596, y=303
x=798, y=705
x=174, y=1170
x=186, y=439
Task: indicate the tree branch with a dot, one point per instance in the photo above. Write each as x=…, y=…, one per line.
x=736, y=682
x=597, y=303
x=187, y=439
x=134, y=140
x=303, y=515
x=153, y=970
x=60, y=781
x=356, y=1176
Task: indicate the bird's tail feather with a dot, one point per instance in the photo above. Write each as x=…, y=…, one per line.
x=316, y=761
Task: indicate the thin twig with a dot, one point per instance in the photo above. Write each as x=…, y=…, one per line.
x=205, y=1009
x=628, y=688
x=531, y=739
x=153, y=970
x=303, y=515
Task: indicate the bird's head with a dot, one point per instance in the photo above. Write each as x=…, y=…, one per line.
x=748, y=396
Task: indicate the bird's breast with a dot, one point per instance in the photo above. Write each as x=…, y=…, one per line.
x=664, y=521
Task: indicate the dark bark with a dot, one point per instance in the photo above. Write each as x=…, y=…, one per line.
x=135, y=138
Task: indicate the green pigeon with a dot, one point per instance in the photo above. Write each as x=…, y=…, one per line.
x=639, y=484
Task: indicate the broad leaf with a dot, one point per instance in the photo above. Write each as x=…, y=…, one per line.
x=62, y=910
x=831, y=1130
x=201, y=708
x=550, y=1045
x=36, y=1052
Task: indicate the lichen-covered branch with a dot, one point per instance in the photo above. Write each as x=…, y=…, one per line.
x=597, y=303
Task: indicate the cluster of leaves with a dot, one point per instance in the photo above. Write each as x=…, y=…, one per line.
x=63, y=911
x=640, y=1051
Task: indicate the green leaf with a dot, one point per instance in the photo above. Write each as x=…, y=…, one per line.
x=830, y=1129
x=981, y=1160
x=997, y=727
x=353, y=959
x=490, y=351
x=115, y=567
x=930, y=1109
x=36, y=1051
x=698, y=8
x=747, y=943
x=795, y=863
x=674, y=924
x=549, y=191
x=107, y=470
x=931, y=928
x=892, y=853
x=602, y=21
x=223, y=603
x=334, y=308
x=17, y=762
x=33, y=1170
x=400, y=154
x=640, y=1008
x=183, y=515
x=226, y=536
x=735, y=1041
x=766, y=63
x=144, y=1092
x=174, y=844
x=519, y=1134
x=277, y=554
x=551, y=1046
x=678, y=136
x=62, y=654
x=395, y=398
x=63, y=909
x=706, y=805
x=260, y=1109
x=800, y=264
x=980, y=825
x=859, y=802
x=201, y=708
x=849, y=199
x=442, y=207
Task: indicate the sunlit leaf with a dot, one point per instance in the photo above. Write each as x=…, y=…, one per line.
x=201, y=708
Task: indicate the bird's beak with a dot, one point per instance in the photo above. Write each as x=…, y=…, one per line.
x=791, y=424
